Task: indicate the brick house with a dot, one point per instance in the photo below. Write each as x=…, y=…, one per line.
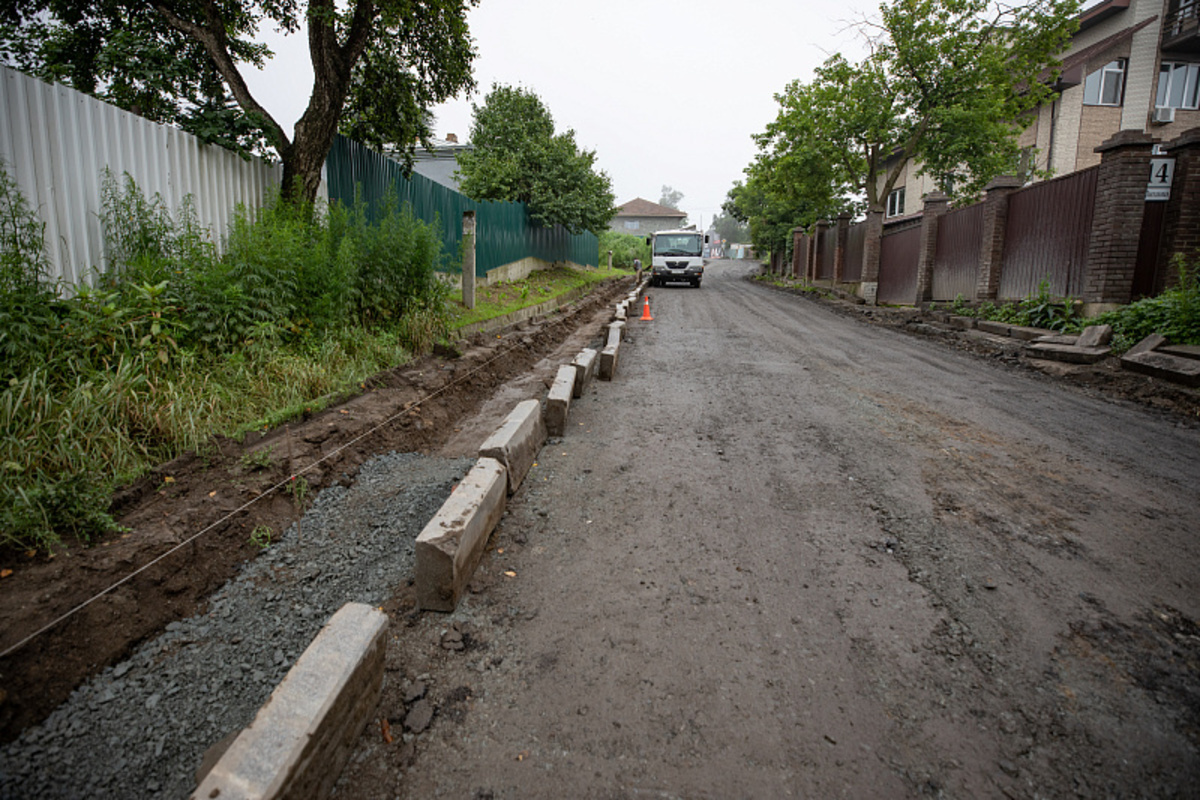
x=641, y=218
x=1132, y=65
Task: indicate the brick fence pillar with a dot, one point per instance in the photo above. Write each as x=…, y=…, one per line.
x=936, y=205
x=819, y=245
x=839, y=253
x=1181, y=219
x=810, y=267
x=991, y=243
x=1117, y=217
x=797, y=234
x=872, y=246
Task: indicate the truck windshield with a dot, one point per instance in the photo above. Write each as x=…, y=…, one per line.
x=683, y=244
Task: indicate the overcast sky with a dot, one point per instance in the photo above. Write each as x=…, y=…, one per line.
x=665, y=91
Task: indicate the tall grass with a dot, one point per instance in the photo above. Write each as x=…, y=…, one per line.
x=176, y=343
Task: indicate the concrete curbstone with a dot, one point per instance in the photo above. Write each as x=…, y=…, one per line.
x=449, y=548
x=1027, y=334
x=558, y=401
x=516, y=443
x=585, y=369
x=303, y=736
x=608, y=362
x=620, y=329
x=962, y=323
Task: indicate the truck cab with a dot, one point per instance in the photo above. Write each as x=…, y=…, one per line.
x=676, y=256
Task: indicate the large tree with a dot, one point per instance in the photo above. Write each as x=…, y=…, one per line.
x=517, y=156
x=378, y=66
x=945, y=84
x=671, y=197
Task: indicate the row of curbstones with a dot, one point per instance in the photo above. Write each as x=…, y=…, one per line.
x=301, y=739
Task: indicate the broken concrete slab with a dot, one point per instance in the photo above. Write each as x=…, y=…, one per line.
x=516, y=443
x=1176, y=369
x=614, y=336
x=585, y=369
x=1181, y=350
x=1095, y=336
x=619, y=327
x=303, y=736
x=1071, y=354
x=558, y=401
x=991, y=326
x=962, y=323
x=1058, y=338
x=608, y=362
x=1028, y=334
x=449, y=548
x=1151, y=342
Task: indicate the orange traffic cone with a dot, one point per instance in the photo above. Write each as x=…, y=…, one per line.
x=646, y=310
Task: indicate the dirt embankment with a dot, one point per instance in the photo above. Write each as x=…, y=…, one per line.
x=228, y=491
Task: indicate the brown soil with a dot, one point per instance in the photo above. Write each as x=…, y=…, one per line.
x=227, y=492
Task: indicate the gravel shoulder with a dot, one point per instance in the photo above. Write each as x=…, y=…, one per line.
x=788, y=554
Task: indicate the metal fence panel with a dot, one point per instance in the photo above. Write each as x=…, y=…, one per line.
x=956, y=264
x=55, y=143
x=898, y=257
x=856, y=239
x=504, y=231
x=1049, y=230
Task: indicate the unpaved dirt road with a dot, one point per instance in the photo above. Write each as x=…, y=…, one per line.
x=789, y=554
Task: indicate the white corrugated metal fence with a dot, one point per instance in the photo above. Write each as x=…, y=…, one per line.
x=55, y=142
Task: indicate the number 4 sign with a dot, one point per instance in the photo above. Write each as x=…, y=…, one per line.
x=1162, y=171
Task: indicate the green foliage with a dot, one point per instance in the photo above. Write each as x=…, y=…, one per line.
x=730, y=229
x=1037, y=310
x=379, y=66
x=671, y=198
x=1174, y=314
x=176, y=344
x=518, y=157
x=260, y=537
x=625, y=248
x=945, y=84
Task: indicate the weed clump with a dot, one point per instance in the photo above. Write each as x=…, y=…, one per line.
x=174, y=341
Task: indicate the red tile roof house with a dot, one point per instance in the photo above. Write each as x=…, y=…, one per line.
x=641, y=218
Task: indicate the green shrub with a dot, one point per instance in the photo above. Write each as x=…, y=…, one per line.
x=625, y=248
x=175, y=343
x=1174, y=314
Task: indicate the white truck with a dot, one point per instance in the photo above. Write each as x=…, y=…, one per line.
x=676, y=256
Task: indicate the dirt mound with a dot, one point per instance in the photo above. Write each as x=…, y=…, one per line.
x=225, y=494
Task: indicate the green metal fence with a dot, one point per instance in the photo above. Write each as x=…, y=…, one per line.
x=504, y=231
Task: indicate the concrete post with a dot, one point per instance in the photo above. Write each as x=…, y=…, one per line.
x=1181, y=219
x=991, y=245
x=839, y=252
x=872, y=246
x=1117, y=218
x=610, y=260
x=468, y=272
x=936, y=205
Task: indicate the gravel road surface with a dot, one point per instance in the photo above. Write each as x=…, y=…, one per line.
x=789, y=554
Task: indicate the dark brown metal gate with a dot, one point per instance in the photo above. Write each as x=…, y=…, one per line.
x=898, y=255
x=856, y=239
x=827, y=245
x=1049, y=230
x=956, y=265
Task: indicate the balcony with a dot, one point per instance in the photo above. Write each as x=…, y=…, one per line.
x=1181, y=28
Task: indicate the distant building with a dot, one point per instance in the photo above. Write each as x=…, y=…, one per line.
x=641, y=218
x=440, y=163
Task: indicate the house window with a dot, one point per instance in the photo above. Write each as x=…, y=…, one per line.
x=1178, y=85
x=632, y=224
x=895, y=204
x=1104, y=86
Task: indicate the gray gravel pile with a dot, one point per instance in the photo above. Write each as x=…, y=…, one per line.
x=141, y=728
